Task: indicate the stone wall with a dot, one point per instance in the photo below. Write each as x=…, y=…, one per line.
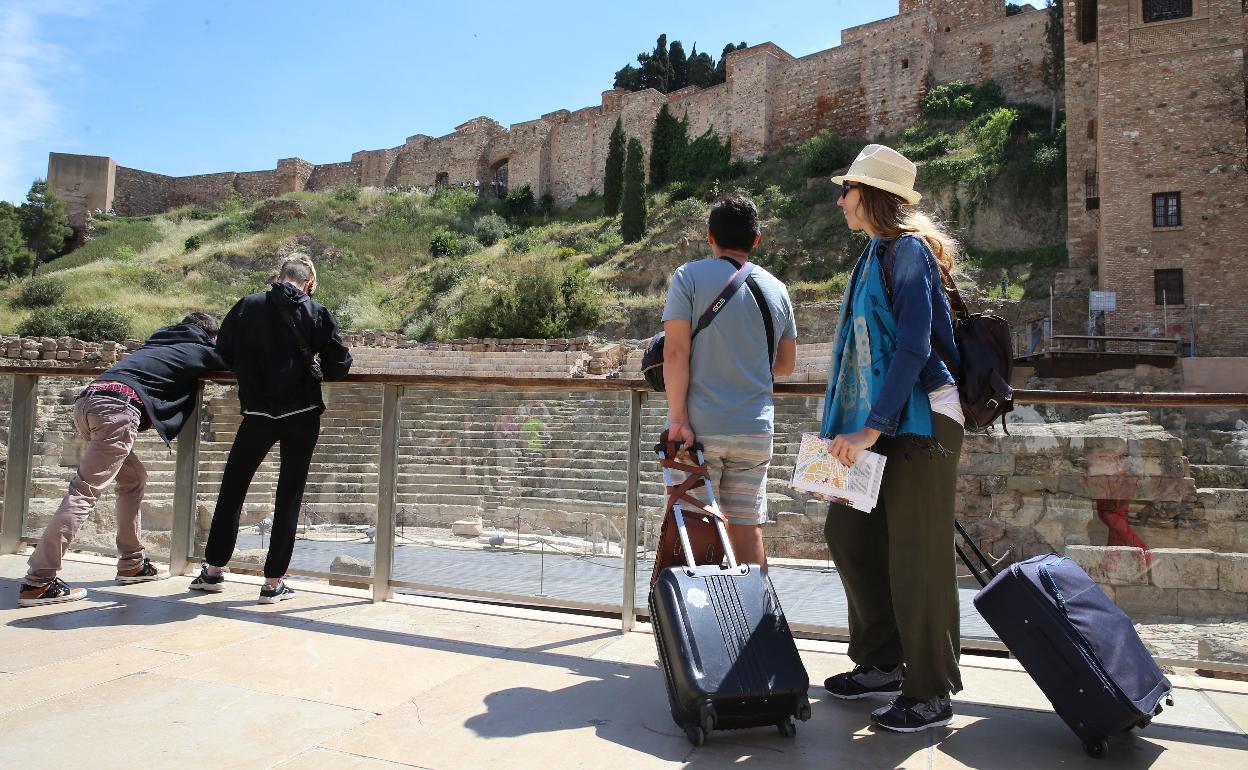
x=141, y=192
x=1182, y=582
x=872, y=83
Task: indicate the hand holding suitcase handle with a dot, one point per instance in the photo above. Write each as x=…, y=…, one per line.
x=678, y=493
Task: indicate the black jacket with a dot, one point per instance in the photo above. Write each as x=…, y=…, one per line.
x=165, y=373
x=273, y=377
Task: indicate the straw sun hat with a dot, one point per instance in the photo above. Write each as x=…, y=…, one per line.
x=885, y=168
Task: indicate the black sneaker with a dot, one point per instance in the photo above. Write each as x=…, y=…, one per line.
x=211, y=583
x=56, y=592
x=864, y=681
x=908, y=715
x=144, y=573
x=279, y=593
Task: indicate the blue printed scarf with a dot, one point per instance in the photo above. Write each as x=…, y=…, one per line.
x=864, y=343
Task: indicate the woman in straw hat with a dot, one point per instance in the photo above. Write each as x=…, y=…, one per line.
x=890, y=390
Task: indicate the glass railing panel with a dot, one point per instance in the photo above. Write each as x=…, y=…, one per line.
x=6, y=411
x=57, y=448
x=337, y=516
x=512, y=493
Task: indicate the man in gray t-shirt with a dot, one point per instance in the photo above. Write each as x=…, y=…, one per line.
x=720, y=390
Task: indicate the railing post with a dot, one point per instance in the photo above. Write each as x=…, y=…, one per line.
x=185, y=489
x=387, y=488
x=17, y=478
x=629, y=612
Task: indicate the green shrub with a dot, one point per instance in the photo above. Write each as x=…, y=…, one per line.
x=689, y=208
x=544, y=299
x=193, y=243
x=525, y=242
x=990, y=138
x=519, y=204
x=40, y=292
x=490, y=229
x=229, y=228
x=959, y=100
x=89, y=324
x=442, y=244
x=347, y=193
x=922, y=147
x=826, y=152
x=201, y=213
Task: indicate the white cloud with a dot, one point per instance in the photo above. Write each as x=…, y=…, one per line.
x=30, y=65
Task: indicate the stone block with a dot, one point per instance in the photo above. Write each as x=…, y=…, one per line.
x=1233, y=572
x=1221, y=650
x=1033, y=484
x=1184, y=568
x=349, y=565
x=1204, y=603
x=1145, y=601
x=1111, y=565
x=466, y=528
x=986, y=464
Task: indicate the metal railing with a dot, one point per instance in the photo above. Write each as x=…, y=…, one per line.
x=383, y=583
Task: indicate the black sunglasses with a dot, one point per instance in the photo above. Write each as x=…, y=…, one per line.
x=846, y=187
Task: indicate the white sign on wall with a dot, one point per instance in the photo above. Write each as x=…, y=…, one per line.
x=1102, y=300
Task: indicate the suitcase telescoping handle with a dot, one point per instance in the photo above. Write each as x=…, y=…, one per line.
x=695, y=448
x=986, y=567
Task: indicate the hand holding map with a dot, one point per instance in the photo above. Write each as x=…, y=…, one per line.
x=818, y=472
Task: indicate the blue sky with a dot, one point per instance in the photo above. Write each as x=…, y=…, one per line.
x=196, y=87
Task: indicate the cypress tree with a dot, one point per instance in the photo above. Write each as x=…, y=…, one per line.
x=613, y=175
x=1053, y=67
x=628, y=77
x=665, y=144
x=656, y=68
x=679, y=66
x=45, y=225
x=633, y=216
x=701, y=68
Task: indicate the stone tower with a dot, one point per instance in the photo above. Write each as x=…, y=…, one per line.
x=951, y=14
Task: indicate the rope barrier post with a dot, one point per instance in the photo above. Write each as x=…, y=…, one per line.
x=628, y=615
x=22, y=413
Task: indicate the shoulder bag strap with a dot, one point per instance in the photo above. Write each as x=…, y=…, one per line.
x=300, y=341
x=765, y=309
x=734, y=285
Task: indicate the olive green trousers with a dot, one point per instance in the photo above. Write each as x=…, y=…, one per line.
x=897, y=565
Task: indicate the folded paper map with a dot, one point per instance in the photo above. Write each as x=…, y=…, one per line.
x=819, y=472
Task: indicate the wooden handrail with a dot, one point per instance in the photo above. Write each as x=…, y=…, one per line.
x=620, y=385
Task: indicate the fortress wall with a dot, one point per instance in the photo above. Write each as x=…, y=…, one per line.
x=823, y=90
x=1009, y=51
x=333, y=175
x=138, y=193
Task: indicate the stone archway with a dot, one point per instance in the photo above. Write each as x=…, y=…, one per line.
x=498, y=178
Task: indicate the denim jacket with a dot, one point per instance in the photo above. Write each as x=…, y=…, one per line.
x=922, y=311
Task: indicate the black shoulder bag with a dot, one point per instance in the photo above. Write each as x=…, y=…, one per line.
x=314, y=366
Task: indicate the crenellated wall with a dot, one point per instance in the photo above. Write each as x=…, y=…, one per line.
x=872, y=83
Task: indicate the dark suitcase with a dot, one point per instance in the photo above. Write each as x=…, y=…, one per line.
x=1076, y=644
x=727, y=653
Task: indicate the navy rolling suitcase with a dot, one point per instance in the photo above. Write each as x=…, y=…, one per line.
x=725, y=647
x=1076, y=644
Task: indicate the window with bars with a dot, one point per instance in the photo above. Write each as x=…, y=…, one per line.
x=1091, y=191
x=1087, y=21
x=1164, y=10
x=1168, y=286
x=1167, y=209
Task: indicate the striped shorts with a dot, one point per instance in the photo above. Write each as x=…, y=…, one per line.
x=738, y=466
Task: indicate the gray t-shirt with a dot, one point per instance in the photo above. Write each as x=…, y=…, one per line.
x=729, y=371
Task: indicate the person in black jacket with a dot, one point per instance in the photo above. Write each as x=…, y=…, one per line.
x=154, y=387
x=273, y=340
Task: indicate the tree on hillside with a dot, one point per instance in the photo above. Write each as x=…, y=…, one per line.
x=667, y=140
x=633, y=215
x=613, y=175
x=701, y=68
x=656, y=69
x=706, y=157
x=1053, y=67
x=45, y=225
x=720, y=74
x=679, y=66
x=15, y=258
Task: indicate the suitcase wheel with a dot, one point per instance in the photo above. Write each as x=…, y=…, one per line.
x=787, y=728
x=803, y=713
x=695, y=734
x=706, y=716
x=1097, y=748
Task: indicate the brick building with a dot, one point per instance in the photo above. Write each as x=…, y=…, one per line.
x=1155, y=104
x=870, y=83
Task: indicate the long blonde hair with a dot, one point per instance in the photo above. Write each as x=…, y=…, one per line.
x=891, y=217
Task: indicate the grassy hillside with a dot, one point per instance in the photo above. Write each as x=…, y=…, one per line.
x=450, y=264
